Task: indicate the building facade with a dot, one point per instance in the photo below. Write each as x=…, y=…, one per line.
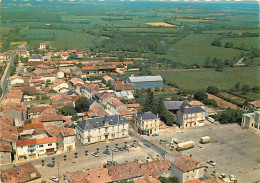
x=147, y=123
x=251, y=120
x=99, y=129
x=33, y=148
x=191, y=116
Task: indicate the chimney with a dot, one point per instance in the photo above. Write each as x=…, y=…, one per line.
x=33, y=175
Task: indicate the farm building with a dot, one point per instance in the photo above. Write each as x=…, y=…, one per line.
x=145, y=81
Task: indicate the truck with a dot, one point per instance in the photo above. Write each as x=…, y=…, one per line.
x=174, y=142
x=205, y=140
x=185, y=145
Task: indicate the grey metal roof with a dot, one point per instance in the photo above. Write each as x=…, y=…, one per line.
x=36, y=57
x=191, y=110
x=92, y=123
x=91, y=101
x=21, y=47
x=147, y=116
x=172, y=105
x=145, y=78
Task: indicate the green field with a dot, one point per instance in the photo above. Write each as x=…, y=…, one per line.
x=199, y=79
x=251, y=95
x=196, y=47
x=62, y=38
x=248, y=41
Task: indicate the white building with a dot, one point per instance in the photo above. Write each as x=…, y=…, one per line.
x=94, y=130
x=68, y=138
x=191, y=116
x=184, y=167
x=57, y=86
x=42, y=46
x=250, y=120
x=147, y=123
x=16, y=79
x=58, y=73
x=88, y=90
x=33, y=148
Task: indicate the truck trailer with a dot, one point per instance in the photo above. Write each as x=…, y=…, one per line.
x=205, y=140
x=185, y=145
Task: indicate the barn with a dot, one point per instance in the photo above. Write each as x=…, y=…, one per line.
x=145, y=82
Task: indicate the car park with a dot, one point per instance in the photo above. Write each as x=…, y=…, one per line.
x=155, y=134
x=94, y=154
x=211, y=163
x=106, y=152
x=115, y=149
x=110, y=163
x=54, y=179
x=125, y=148
x=50, y=165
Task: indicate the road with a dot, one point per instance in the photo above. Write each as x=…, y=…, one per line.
x=5, y=78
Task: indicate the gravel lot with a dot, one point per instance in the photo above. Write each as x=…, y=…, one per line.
x=233, y=149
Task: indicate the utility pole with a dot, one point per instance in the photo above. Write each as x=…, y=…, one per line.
x=58, y=171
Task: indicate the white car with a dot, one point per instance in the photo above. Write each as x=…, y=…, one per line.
x=54, y=179
x=232, y=177
x=211, y=163
x=115, y=149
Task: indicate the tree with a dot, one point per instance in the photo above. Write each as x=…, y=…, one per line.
x=200, y=95
x=67, y=111
x=256, y=89
x=44, y=97
x=245, y=88
x=173, y=179
x=208, y=63
x=220, y=66
x=237, y=86
x=74, y=117
x=216, y=42
x=230, y=116
x=76, y=155
x=110, y=85
x=28, y=121
x=24, y=60
x=149, y=102
x=82, y=104
x=212, y=89
x=65, y=157
x=124, y=101
x=42, y=162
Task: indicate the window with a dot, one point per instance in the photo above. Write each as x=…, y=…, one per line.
x=50, y=144
x=40, y=145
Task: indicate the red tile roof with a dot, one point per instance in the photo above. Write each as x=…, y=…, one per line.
x=53, y=131
x=76, y=80
x=182, y=162
x=107, y=78
x=124, y=87
x=99, y=175
x=92, y=87
x=132, y=105
x=5, y=148
x=255, y=103
x=33, y=126
x=155, y=167
x=212, y=180
x=89, y=67
x=67, y=132
x=37, y=109
x=125, y=171
x=60, y=105
x=35, y=141
x=115, y=102
x=23, y=173
x=193, y=181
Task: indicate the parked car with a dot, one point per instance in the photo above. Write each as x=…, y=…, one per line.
x=110, y=163
x=232, y=177
x=121, y=149
x=126, y=148
x=94, y=154
x=115, y=149
x=106, y=152
x=54, y=179
x=50, y=165
x=211, y=163
x=133, y=145
x=155, y=134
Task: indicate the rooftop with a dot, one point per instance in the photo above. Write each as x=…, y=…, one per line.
x=182, y=162
x=100, y=122
x=145, y=78
x=23, y=173
x=147, y=116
